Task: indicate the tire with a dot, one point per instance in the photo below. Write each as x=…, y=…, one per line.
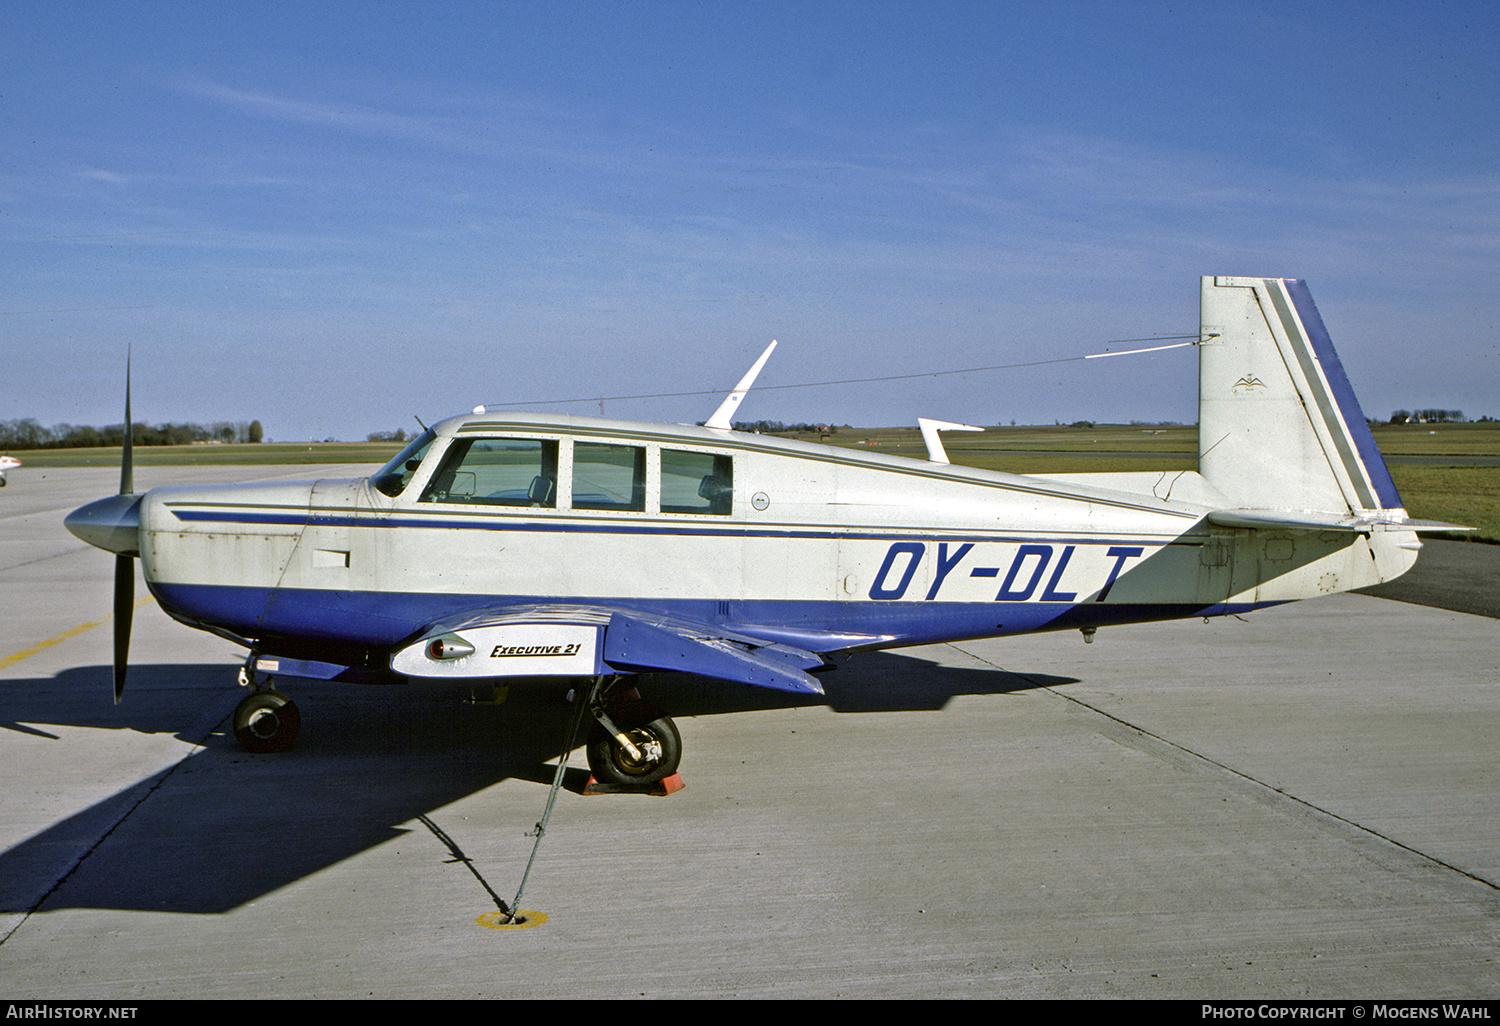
x=266, y=721
x=647, y=729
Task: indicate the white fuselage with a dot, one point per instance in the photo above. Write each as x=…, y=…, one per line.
x=810, y=545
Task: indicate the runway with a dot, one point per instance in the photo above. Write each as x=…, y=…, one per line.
x=1300, y=804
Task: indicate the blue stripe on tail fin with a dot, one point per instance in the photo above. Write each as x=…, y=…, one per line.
x=1385, y=495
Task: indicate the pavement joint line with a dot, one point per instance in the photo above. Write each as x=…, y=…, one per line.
x=42, y=646
x=43, y=559
x=1199, y=757
x=152, y=786
x=36, y=513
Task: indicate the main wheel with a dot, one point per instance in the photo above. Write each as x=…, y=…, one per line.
x=266, y=721
x=653, y=734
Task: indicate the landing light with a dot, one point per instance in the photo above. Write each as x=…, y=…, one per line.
x=449, y=646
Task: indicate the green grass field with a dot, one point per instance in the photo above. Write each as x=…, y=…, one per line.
x=267, y=454
x=1455, y=495
x=1432, y=491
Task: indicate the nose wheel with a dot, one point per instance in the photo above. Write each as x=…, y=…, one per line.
x=266, y=721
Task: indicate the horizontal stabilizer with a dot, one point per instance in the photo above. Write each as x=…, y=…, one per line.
x=1305, y=521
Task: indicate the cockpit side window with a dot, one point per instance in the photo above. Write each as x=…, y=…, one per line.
x=393, y=478
x=497, y=472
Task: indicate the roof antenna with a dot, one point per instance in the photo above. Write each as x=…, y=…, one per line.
x=930, y=429
x=720, y=419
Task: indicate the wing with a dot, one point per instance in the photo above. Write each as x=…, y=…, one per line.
x=568, y=640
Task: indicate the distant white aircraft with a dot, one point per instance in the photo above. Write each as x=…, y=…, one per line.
x=503, y=545
x=7, y=463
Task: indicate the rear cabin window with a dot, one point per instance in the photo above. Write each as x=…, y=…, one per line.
x=696, y=482
x=497, y=472
x=609, y=477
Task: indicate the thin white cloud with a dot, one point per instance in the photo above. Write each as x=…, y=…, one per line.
x=347, y=117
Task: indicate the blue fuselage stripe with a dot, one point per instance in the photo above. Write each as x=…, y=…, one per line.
x=511, y=522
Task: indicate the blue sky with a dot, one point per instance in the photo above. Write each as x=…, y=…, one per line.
x=334, y=216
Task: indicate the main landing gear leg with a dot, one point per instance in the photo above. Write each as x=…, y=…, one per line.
x=631, y=744
x=265, y=720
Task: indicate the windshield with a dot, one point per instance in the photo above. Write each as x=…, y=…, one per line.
x=393, y=478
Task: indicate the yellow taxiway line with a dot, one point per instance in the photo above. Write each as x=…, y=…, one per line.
x=41, y=646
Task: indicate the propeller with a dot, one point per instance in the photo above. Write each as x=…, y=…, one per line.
x=113, y=524
x=124, y=564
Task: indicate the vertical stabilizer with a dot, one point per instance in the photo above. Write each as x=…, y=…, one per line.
x=1278, y=424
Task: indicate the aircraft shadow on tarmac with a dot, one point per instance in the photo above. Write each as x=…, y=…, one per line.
x=868, y=682
x=224, y=827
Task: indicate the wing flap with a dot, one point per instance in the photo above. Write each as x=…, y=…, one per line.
x=632, y=644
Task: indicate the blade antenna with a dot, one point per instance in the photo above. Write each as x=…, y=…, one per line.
x=720, y=419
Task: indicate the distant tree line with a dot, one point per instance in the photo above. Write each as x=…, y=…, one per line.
x=776, y=427
x=398, y=435
x=28, y=434
x=1428, y=417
